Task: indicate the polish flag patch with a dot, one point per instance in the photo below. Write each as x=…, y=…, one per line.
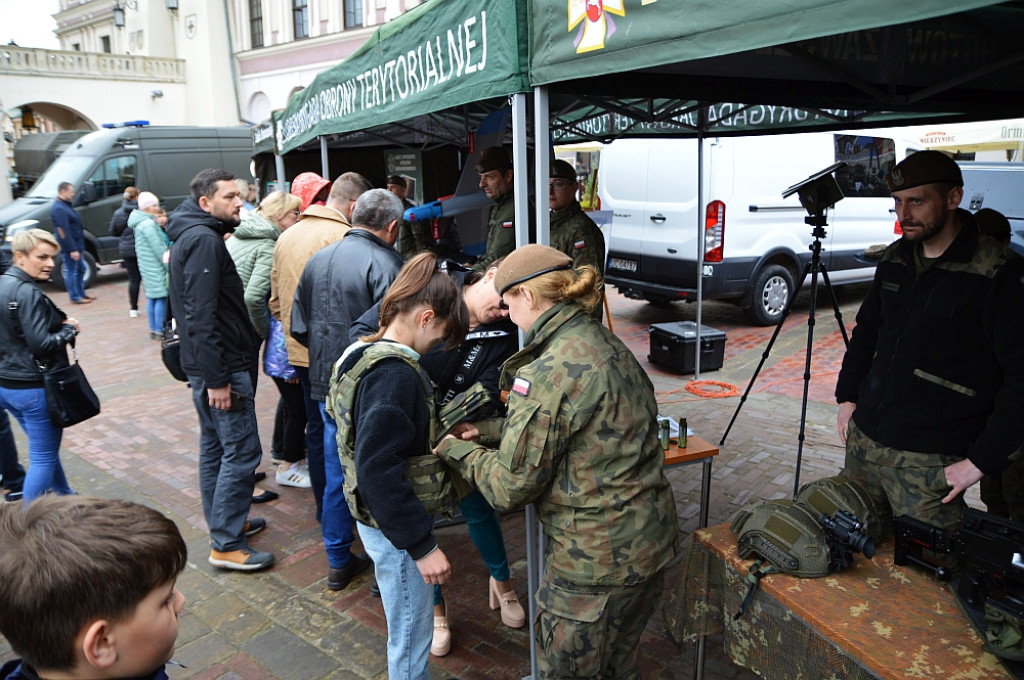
x=507, y=225
x=579, y=244
x=521, y=386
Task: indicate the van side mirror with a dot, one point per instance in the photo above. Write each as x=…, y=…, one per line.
x=86, y=195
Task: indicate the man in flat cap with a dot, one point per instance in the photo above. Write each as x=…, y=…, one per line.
x=572, y=230
x=412, y=238
x=931, y=390
x=497, y=180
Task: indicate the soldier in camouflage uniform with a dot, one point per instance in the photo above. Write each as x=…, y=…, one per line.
x=581, y=443
x=497, y=181
x=412, y=236
x=932, y=386
x=572, y=230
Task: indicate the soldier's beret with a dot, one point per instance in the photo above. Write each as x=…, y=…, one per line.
x=494, y=158
x=529, y=262
x=396, y=179
x=562, y=170
x=924, y=167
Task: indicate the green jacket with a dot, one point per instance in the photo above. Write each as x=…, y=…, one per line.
x=581, y=443
x=252, y=249
x=576, y=235
x=150, y=245
x=501, y=231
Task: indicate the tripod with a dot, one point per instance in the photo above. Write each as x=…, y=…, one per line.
x=813, y=267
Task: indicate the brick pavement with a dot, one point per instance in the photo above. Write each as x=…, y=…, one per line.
x=286, y=624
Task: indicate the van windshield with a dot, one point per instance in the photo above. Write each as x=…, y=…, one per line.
x=64, y=169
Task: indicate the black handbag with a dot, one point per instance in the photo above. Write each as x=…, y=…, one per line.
x=69, y=396
x=170, y=350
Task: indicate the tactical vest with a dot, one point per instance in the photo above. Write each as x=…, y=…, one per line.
x=431, y=480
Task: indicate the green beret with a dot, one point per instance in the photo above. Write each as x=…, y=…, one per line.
x=924, y=167
x=562, y=170
x=529, y=262
x=494, y=158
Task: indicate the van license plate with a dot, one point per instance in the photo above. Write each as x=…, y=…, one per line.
x=624, y=265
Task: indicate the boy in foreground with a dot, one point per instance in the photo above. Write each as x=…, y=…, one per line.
x=87, y=588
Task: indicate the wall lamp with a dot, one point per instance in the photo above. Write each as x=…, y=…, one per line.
x=119, y=11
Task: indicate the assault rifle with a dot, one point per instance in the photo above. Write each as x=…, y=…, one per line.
x=988, y=549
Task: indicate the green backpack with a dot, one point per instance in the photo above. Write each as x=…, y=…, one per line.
x=433, y=483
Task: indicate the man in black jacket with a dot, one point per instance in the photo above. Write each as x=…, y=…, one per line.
x=220, y=356
x=932, y=385
x=338, y=284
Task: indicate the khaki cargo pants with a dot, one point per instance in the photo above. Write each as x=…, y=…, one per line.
x=909, y=482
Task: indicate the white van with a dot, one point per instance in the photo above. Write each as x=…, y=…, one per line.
x=757, y=243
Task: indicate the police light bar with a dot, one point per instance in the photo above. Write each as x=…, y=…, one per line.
x=127, y=123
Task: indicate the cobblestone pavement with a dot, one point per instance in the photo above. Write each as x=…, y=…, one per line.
x=285, y=623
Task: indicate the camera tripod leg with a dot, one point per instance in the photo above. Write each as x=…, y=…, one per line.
x=835, y=305
x=767, y=349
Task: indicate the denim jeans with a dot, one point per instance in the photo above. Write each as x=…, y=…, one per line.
x=336, y=523
x=74, y=276
x=156, y=312
x=314, y=443
x=10, y=468
x=45, y=473
x=407, y=609
x=229, y=451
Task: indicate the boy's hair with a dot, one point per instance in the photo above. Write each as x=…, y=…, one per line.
x=66, y=561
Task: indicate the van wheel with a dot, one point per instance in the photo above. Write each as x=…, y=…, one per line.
x=769, y=295
x=91, y=270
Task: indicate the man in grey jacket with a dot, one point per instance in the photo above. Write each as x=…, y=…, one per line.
x=338, y=284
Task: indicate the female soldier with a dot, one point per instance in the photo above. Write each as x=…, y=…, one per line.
x=581, y=443
x=384, y=410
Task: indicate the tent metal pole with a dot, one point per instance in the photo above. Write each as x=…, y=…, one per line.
x=279, y=168
x=324, y=169
x=701, y=129
x=542, y=163
x=520, y=169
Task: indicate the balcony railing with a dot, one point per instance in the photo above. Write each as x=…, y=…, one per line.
x=58, y=63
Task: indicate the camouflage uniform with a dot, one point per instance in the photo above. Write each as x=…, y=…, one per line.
x=1003, y=493
x=580, y=442
x=936, y=368
x=576, y=235
x=501, y=233
x=413, y=236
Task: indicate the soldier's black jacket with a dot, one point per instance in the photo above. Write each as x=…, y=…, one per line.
x=936, y=361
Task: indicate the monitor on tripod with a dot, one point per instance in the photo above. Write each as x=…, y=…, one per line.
x=819, y=192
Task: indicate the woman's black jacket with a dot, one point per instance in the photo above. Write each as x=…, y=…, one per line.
x=33, y=335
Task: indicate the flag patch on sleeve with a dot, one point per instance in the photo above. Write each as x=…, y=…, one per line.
x=579, y=244
x=507, y=225
x=521, y=386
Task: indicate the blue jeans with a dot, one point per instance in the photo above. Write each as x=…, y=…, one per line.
x=156, y=312
x=45, y=473
x=74, y=276
x=336, y=522
x=407, y=609
x=485, y=530
x=229, y=451
x=10, y=468
x=314, y=442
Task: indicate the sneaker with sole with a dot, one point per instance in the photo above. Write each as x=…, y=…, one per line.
x=243, y=559
x=254, y=526
x=133, y=313
x=294, y=476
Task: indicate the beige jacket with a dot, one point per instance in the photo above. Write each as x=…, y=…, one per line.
x=319, y=226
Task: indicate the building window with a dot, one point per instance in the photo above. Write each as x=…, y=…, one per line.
x=256, y=22
x=353, y=13
x=105, y=43
x=300, y=14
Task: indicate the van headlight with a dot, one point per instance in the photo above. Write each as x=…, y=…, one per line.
x=19, y=227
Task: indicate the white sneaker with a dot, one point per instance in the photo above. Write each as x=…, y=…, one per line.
x=293, y=476
x=133, y=313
